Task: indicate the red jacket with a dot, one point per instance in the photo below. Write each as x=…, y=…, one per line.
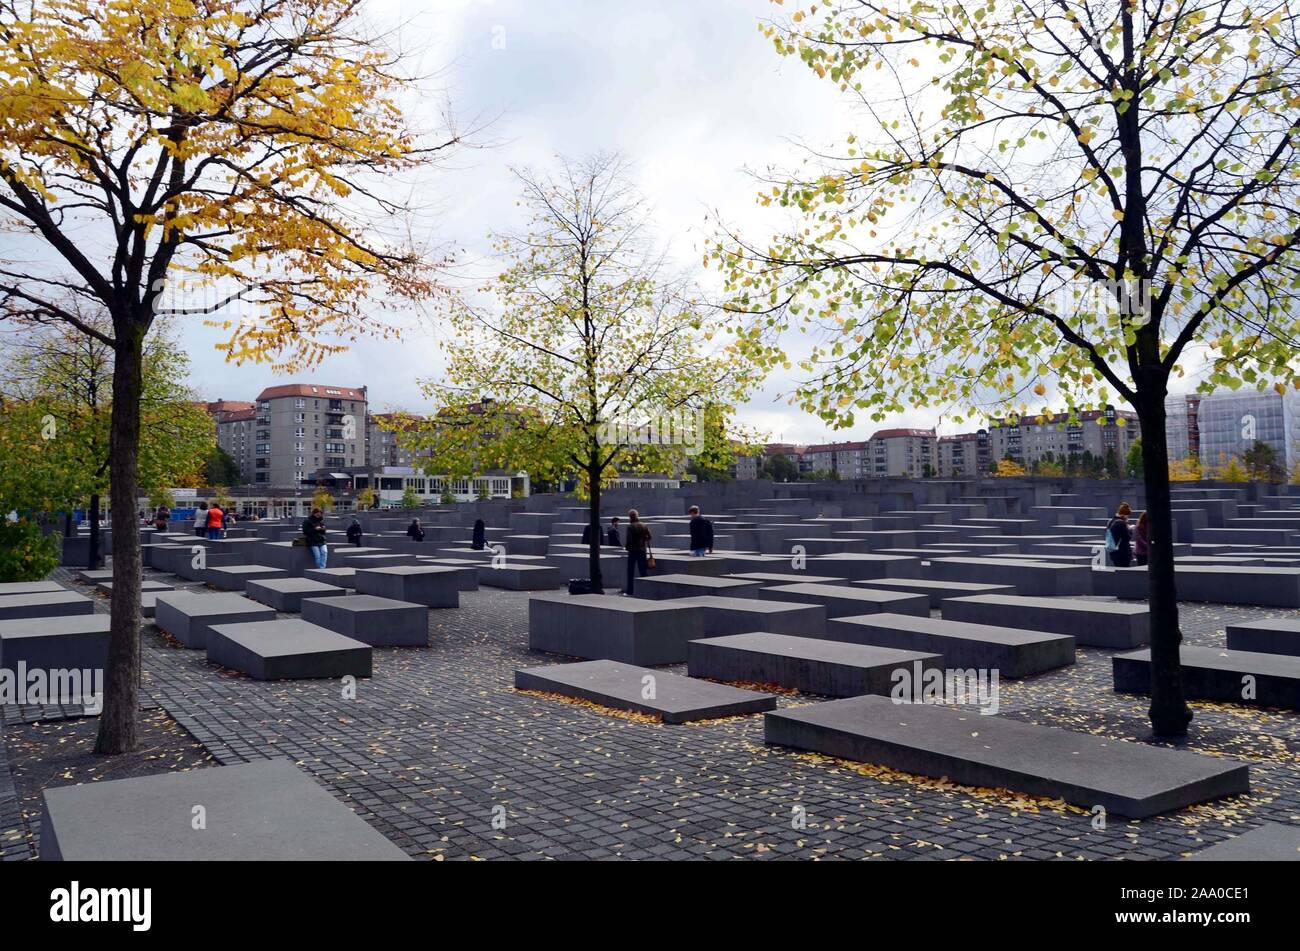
x=215, y=517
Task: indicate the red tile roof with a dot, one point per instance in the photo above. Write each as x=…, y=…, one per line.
x=317, y=390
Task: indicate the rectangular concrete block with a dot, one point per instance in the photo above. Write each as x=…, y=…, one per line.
x=382, y=622
x=1126, y=779
x=809, y=664
x=1034, y=579
x=936, y=590
x=287, y=649
x=521, y=577
x=44, y=604
x=849, y=601
x=1271, y=842
x=432, y=586
x=1271, y=636
x=187, y=615
x=668, y=587
x=1094, y=623
x=863, y=567
x=29, y=587
x=1227, y=676
x=674, y=698
x=78, y=642
x=287, y=594
x=611, y=627
x=343, y=577
x=236, y=577
x=1010, y=651
x=268, y=811
x=725, y=615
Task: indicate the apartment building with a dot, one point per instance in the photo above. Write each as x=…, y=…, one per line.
x=964, y=456
x=903, y=453
x=291, y=431
x=1029, y=440
x=383, y=440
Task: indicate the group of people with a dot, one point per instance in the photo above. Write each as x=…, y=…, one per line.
x=211, y=522
x=639, y=555
x=1127, y=546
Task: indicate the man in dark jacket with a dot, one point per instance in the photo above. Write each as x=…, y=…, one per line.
x=415, y=531
x=354, y=532
x=638, y=549
x=613, y=537
x=313, y=530
x=701, y=533
x=586, y=534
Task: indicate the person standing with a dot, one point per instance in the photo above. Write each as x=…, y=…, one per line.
x=161, y=518
x=354, y=532
x=701, y=533
x=201, y=520
x=313, y=530
x=613, y=538
x=1141, y=542
x=414, y=531
x=1119, y=538
x=479, y=541
x=638, y=549
x=216, y=521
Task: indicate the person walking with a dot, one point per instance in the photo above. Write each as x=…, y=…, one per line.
x=201, y=520
x=479, y=541
x=1119, y=538
x=414, y=531
x=701, y=533
x=354, y=532
x=638, y=549
x=613, y=538
x=1141, y=541
x=313, y=530
x=216, y=521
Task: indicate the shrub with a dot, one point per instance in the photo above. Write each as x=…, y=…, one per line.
x=26, y=553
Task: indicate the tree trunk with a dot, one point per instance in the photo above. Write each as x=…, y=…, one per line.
x=593, y=518
x=117, y=722
x=93, y=545
x=1169, y=712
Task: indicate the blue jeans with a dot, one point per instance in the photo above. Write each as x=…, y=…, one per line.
x=699, y=552
x=214, y=533
x=321, y=554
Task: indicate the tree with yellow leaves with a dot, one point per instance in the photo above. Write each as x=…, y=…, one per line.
x=1009, y=469
x=1049, y=189
x=1185, y=470
x=169, y=156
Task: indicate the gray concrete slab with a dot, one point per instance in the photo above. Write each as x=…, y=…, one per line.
x=1094, y=623
x=187, y=615
x=613, y=627
x=673, y=698
x=382, y=622
x=287, y=594
x=262, y=811
x=849, y=601
x=810, y=664
x=44, y=604
x=1127, y=779
x=1010, y=651
x=1245, y=677
x=287, y=649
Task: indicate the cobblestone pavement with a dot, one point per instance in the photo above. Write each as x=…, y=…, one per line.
x=437, y=745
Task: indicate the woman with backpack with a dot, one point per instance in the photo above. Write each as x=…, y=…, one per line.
x=1119, y=542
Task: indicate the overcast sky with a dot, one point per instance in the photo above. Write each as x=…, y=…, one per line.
x=688, y=91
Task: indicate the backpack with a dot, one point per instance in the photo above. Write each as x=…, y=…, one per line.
x=1111, y=545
